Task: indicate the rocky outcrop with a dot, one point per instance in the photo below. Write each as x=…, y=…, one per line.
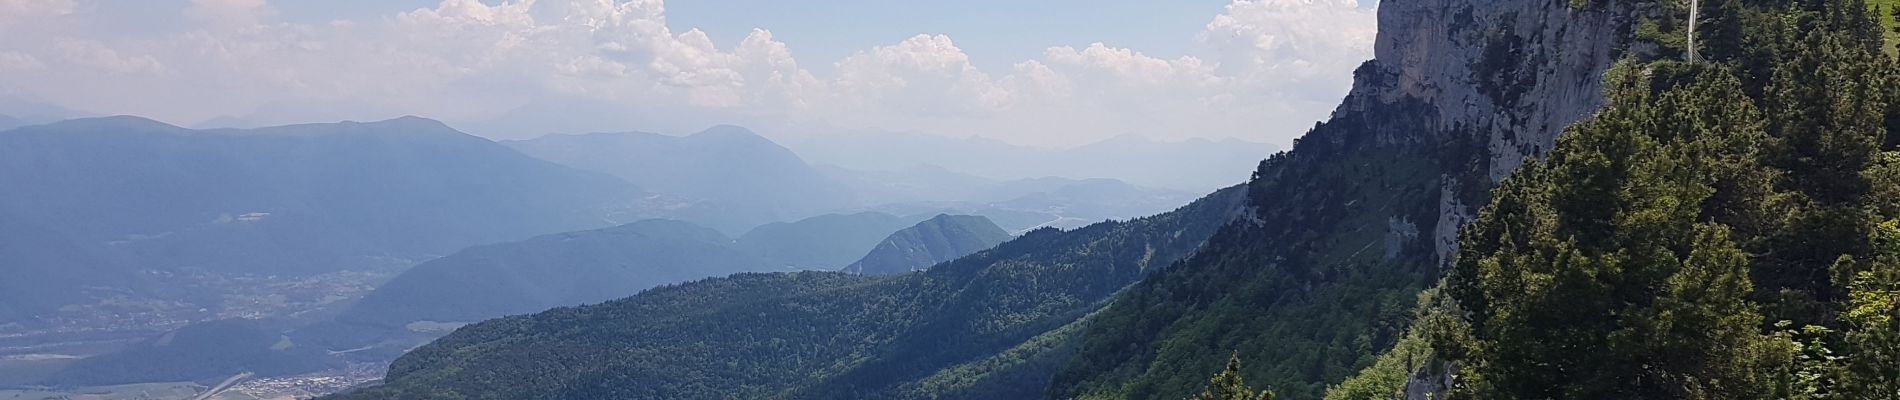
x=1509, y=75
x=1432, y=381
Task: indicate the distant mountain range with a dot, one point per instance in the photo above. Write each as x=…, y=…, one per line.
x=17, y=112
x=1194, y=165
x=109, y=202
x=821, y=242
x=751, y=179
x=121, y=202
x=558, y=270
x=575, y=268
x=988, y=325
x=554, y=270
x=939, y=239
x=123, y=214
x=736, y=180
x=1016, y=205
x=10, y=122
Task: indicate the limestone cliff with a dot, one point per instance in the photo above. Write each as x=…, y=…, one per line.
x=1459, y=94
x=1511, y=74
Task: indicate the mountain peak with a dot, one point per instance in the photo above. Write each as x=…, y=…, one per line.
x=1130, y=137
x=114, y=123
x=940, y=239
x=728, y=132
x=411, y=123
x=405, y=125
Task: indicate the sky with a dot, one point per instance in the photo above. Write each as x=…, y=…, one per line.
x=1047, y=73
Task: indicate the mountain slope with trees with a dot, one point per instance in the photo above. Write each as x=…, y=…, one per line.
x=956, y=330
x=1721, y=229
x=822, y=242
x=1661, y=247
x=551, y=271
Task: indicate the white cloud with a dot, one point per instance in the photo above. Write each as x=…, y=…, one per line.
x=98, y=56
x=1269, y=62
x=1283, y=45
x=13, y=61
x=15, y=10
x=229, y=14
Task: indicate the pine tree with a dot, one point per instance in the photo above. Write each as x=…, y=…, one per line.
x=1872, y=321
x=1227, y=385
x=1612, y=271
x=1827, y=106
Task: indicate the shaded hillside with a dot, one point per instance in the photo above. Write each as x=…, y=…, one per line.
x=956, y=330
x=821, y=242
x=123, y=196
x=942, y=238
x=551, y=271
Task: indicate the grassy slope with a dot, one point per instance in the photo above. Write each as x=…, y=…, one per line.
x=1886, y=7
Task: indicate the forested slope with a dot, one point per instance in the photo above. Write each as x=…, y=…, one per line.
x=1660, y=247
x=957, y=330
x=1721, y=229
x=1359, y=216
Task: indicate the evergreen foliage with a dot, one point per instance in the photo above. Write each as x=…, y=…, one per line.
x=1609, y=272
x=990, y=325
x=1724, y=229
x=1721, y=230
x=1227, y=385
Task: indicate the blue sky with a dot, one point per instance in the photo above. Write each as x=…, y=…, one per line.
x=1054, y=72
x=996, y=33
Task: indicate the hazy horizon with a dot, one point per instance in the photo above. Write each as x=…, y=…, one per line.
x=1051, y=74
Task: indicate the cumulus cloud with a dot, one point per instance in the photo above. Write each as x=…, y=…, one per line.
x=17, y=10
x=230, y=14
x=1270, y=67
x=13, y=61
x=1282, y=44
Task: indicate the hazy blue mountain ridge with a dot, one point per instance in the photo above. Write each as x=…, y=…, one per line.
x=937, y=240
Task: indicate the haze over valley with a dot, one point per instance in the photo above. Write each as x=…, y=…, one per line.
x=982, y=199
x=354, y=241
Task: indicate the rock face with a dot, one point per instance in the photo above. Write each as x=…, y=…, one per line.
x=1460, y=94
x=940, y=239
x=1431, y=381
x=1508, y=74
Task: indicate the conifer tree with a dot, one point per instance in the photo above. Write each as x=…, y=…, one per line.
x=1611, y=271
x=1227, y=385
x=1827, y=109
x=1872, y=320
